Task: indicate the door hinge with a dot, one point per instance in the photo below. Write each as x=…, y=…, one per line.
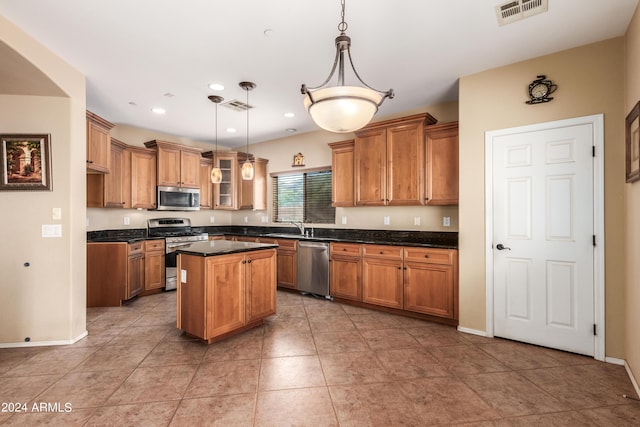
x=594, y=240
x=595, y=331
x=593, y=150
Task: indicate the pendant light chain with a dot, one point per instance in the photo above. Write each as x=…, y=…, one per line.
x=342, y=26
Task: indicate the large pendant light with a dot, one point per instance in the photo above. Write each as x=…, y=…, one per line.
x=343, y=108
x=216, y=173
x=247, y=167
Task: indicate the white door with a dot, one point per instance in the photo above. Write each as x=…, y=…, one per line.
x=543, y=237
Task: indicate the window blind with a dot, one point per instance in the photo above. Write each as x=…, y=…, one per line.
x=303, y=197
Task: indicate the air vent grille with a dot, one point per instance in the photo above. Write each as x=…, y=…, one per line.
x=236, y=105
x=519, y=9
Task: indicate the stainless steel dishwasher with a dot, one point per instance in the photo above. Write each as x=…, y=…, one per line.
x=313, y=268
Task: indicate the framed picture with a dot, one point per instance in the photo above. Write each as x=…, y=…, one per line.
x=26, y=163
x=632, y=135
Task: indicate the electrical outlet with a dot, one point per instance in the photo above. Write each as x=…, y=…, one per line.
x=386, y=220
x=126, y=220
x=446, y=221
x=212, y=219
x=416, y=220
x=344, y=219
x=246, y=219
x=265, y=219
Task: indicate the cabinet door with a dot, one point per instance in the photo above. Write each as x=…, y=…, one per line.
x=135, y=280
x=405, y=164
x=261, y=273
x=260, y=185
x=225, y=294
x=169, y=166
x=429, y=289
x=346, y=277
x=287, y=269
x=382, y=282
x=98, y=143
x=154, y=270
x=342, y=161
x=143, y=179
x=189, y=169
x=370, y=150
x=441, y=160
x=224, y=193
x=116, y=191
x=206, y=187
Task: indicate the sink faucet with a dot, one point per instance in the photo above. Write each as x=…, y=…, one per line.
x=299, y=225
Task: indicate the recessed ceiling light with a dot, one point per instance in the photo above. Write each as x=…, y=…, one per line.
x=168, y=94
x=291, y=130
x=289, y=114
x=159, y=110
x=216, y=86
x=231, y=130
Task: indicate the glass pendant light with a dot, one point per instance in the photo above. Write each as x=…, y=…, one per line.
x=343, y=108
x=247, y=167
x=216, y=173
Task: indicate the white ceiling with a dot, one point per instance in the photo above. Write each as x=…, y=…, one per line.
x=138, y=50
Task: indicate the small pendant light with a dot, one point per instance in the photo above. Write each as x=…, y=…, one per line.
x=216, y=173
x=247, y=167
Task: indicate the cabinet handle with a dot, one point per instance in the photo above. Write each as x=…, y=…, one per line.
x=249, y=261
x=399, y=268
x=344, y=249
x=426, y=256
x=381, y=252
x=89, y=161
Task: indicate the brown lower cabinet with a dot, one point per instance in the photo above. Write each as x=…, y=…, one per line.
x=287, y=263
x=118, y=271
x=413, y=279
x=225, y=294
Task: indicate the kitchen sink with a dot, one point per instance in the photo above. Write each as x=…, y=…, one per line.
x=287, y=235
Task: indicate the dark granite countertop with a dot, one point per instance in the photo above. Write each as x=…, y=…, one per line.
x=432, y=239
x=221, y=247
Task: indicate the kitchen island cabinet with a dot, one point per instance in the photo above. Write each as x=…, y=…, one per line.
x=225, y=287
x=115, y=272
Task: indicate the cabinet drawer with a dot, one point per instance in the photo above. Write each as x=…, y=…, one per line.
x=266, y=240
x=135, y=248
x=153, y=245
x=287, y=244
x=432, y=256
x=382, y=251
x=346, y=249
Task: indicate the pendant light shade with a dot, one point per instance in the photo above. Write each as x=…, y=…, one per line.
x=216, y=173
x=343, y=108
x=247, y=167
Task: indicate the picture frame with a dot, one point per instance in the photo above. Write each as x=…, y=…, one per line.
x=298, y=160
x=632, y=141
x=26, y=162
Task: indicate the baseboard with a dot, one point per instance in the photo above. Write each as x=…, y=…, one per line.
x=43, y=343
x=632, y=378
x=614, y=361
x=472, y=331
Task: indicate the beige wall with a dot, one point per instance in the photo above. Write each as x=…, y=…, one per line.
x=590, y=81
x=280, y=152
x=46, y=301
x=632, y=206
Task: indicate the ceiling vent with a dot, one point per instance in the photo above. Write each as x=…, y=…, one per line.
x=519, y=9
x=236, y=105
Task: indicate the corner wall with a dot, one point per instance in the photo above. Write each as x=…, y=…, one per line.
x=47, y=300
x=495, y=99
x=632, y=206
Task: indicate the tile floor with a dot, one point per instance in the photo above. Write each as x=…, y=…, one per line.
x=316, y=363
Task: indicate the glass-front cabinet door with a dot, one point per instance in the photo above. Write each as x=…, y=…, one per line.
x=224, y=193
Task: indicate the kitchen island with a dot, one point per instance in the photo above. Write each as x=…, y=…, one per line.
x=225, y=287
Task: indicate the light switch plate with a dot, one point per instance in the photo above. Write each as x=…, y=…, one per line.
x=56, y=214
x=386, y=220
x=212, y=219
x=51, y=230
x=416, y=220
x=344, y=219
x=183, y=276
x=127, y=220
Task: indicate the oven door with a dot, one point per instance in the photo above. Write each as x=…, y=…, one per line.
x=170, y=263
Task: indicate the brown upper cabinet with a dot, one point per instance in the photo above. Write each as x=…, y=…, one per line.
x=178, y=165
x=441, y=164
x=388, y=159
x=98, y=143
x=235, y=193
x=342, y=161
x=206, y=187
x=143, y=178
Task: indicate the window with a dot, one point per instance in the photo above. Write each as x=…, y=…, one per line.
x=303, y=197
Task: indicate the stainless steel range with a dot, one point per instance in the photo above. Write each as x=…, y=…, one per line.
x=176, y=233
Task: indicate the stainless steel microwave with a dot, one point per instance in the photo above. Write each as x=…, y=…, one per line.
x=178, y=199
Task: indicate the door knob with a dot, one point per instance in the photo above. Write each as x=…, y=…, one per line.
x=501, y=247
